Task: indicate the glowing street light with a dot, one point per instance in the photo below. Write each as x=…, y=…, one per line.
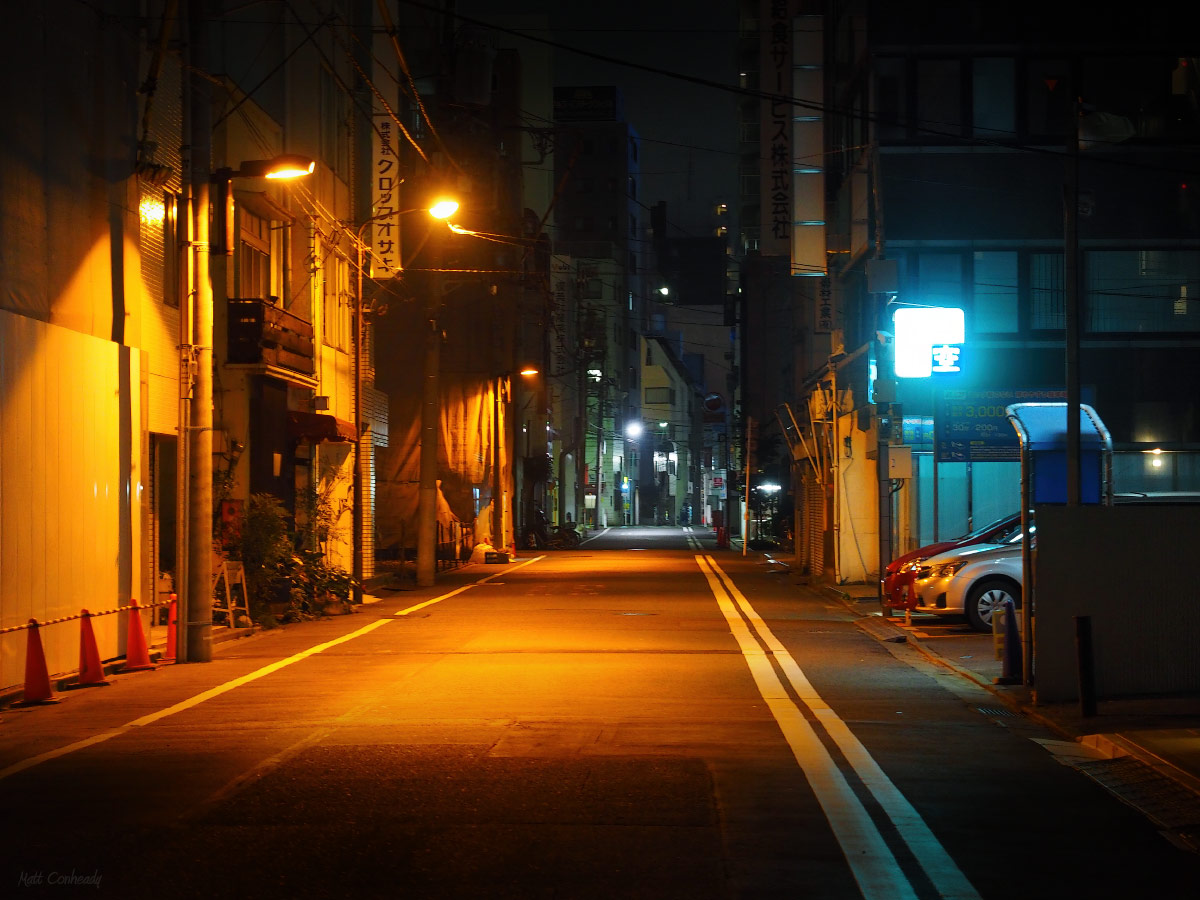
x=194, y=635
x=443, y=208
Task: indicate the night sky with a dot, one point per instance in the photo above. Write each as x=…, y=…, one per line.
x=689, y=131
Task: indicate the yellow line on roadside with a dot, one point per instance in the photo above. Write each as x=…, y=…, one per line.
x=467, y=587
x=220, y=689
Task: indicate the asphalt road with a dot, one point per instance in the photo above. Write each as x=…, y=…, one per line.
x=644, y=717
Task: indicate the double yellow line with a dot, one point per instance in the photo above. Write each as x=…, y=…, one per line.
x=872, y=862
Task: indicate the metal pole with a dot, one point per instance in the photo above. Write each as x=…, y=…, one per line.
x=883, y=477
x=197, y=619
x=580, y=457
x=599, y=448
x=1085, y=659
x=1071, y=276
x=427, y=495
x=182, y=444
x=746, y=504
x=1028, y=590
x=497, y=505
x=357, y=525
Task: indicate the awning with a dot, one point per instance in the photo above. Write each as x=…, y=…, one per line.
x=317, y=427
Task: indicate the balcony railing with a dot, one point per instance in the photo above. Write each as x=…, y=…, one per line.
x=264, y=334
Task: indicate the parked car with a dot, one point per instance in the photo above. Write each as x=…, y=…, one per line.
x=974, y=581
x=897, y=577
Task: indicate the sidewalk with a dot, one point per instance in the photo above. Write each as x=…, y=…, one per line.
x=1163, y=733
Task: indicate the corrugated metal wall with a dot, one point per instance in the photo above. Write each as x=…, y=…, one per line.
x=68, y=526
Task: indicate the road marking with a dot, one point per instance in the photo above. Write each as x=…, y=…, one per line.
x=220, y=689
x=594, y=536
x=872, y=863
x=467, y=587
x=944, y=874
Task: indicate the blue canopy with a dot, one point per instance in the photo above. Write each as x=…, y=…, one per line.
x=1042, y=428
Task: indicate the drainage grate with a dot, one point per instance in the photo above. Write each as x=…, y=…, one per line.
x=996, y=711
x=1162, y=799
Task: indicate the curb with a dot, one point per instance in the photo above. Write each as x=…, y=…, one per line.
x=66, y=682
x=1111, y=746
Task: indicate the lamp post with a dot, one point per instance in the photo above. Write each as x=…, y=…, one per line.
x=440, y=209
x=194, y=634
x=430, y=413
x=359, y=350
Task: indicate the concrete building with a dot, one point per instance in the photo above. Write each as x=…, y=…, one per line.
x=601, y=225
x=950, y=137
x=104, y=272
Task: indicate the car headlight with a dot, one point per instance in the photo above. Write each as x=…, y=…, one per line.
x=945, y=570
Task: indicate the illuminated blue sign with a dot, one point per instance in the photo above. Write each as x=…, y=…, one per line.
x=928, y=340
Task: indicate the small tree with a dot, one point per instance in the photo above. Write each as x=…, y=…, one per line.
x=266, y=550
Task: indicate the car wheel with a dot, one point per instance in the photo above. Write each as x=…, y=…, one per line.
x=987, y=597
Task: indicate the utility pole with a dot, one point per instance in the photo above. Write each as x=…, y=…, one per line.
x=600, y=392
x=1071, y=277
x=750, y=443
x=196, y=621
x=497, y=456
x=430, y=414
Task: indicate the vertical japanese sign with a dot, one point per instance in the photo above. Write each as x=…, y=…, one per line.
x=776, y=136
x=385, y=183
x=824, y=307
x=808, y=146
x=561, y=276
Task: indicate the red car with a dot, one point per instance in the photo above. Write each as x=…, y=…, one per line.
x=897, y=580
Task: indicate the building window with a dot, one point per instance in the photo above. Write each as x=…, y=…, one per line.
x=993, y=99
x=1142, y=291
x=160, y=244
x=659, y=396
x=336, y=301
x=1046, y=292
x=892, y=98
x=254, y=256
x=995, y=292
x=335, y=122
x=939, y=97
x=940, y=279
x=1048, y=90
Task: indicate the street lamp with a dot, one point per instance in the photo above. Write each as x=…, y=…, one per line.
x=501, y=393
x=438, y=210
x=195, y=632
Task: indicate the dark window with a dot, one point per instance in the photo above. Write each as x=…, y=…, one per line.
x=1047, y=291
x=939, y=97
x=1142, y=290
x=993, y=98
x=996, y=292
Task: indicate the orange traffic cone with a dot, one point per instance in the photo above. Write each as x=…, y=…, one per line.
x=91, y=672
x=172, y=614
x=137, y=657
x=37, y=676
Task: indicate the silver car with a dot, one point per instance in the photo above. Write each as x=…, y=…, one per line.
x=973, y=581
